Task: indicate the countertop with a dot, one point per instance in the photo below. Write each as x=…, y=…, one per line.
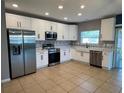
x=84, y=49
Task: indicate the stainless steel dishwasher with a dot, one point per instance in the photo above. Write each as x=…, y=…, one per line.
x=96, y=58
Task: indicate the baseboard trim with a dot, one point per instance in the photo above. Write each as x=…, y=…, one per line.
x=5, y=80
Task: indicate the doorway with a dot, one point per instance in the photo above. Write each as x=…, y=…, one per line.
x=118, y=47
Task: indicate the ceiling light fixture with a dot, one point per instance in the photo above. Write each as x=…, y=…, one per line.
x=79, y=14
x=46, y=13
x=15, y=5
x=60, y=7
x=82, y=6
x=65, y=18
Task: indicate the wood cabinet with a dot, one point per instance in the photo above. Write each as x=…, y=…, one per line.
x=108, y=29
x=18, y=22
x=41, y=59
x=38, y=26
x=73, y=32
x=96, y=58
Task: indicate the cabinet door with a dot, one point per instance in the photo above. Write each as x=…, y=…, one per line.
x=48, y=26
x=54, y=26
x=107, y=29
x=12, y=21
x=65, y=55
x=66, y=32
x=18, y=22
x=38, y=26
x=60, y=31
x=73, y=32
x=25, y=22
x=39, y=59
x=45, y=59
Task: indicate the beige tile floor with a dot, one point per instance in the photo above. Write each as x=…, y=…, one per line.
x=69, y=77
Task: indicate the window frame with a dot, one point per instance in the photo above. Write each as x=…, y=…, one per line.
x=90, y=43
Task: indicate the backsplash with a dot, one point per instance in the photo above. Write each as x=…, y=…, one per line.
x=107, y=44
x=56, y=43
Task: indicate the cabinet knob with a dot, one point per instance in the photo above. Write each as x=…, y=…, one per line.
x=17, y=24
x=51, y=27
x=62, y=36
x=41, y=57
x=38, y=36
x=20, y=24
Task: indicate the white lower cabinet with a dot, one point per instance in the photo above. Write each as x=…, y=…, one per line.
x=64, y=55
x=79, y=55
x=107, y=59
x=41, y=59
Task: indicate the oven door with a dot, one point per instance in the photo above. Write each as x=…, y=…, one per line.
x=54, y=57
x=48, y=35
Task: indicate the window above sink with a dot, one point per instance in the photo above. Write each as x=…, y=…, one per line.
x=90, y=37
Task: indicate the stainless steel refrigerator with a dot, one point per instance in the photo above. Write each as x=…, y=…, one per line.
x=22, y=52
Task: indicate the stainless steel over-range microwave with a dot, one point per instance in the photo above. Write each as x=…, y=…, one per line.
x=50, y=35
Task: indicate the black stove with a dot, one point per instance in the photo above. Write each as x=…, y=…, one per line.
x=54, y=56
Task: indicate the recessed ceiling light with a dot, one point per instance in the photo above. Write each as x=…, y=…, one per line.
x=65, y=18
x=60, y=7
x=82, y=6
x=79, y=14
x=46, y=13
x=14, y=5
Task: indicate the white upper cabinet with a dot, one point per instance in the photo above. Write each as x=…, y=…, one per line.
x=108, y=29
x=38, y=26
x=18, y=22
x=50, y=26
x=73, y=32
x=66, y=32
x=62, y=31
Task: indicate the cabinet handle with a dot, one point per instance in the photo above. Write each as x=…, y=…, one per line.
x=82, y=53
x=17, y=24
x=41, y=57
x=102, y=58
x=20, y=24
x=64, y=53
x=38, y=36
x=73, y=37
x=51, y=28
x=62, y=36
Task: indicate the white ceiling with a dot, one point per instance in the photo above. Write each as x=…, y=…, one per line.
x=94, y=9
